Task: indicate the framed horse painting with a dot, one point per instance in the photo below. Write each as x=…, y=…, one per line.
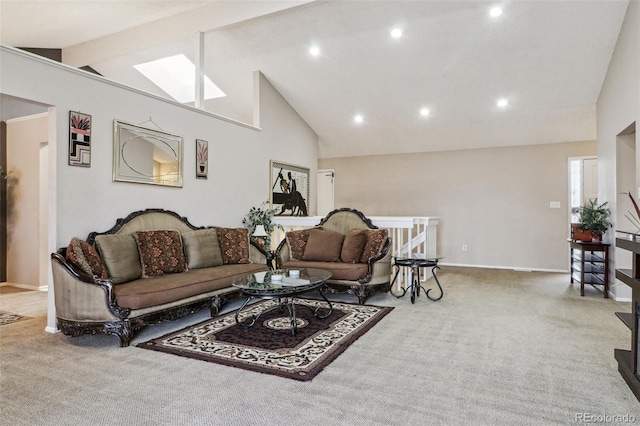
x=289, y=189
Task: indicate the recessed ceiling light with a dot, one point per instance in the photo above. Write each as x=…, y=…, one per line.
x=358, y=118
x=314, y=51
x=495, y=11
x=502, y=103
x=424, y=112
x=396, y=33
x=176, y=75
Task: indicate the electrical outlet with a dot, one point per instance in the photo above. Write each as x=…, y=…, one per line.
x=464, y=247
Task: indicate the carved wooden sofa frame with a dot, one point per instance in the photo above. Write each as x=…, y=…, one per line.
x=86, y=304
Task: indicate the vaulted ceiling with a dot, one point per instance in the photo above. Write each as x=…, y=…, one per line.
x=546, y=59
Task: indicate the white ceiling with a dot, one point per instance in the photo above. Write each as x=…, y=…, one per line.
x=548, y=58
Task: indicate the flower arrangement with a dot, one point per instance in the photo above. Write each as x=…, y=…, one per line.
x=261, y=216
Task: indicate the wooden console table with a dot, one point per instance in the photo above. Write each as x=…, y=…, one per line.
x=590, y=264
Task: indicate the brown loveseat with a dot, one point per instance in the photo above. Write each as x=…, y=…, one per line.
x=348, y=245
x=151, y=266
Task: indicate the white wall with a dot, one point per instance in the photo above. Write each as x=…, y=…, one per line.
x=26, y=247
x=86, y=199
x=618, y=107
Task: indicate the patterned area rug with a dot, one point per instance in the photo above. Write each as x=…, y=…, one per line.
x=9, y=318
x=268, y=346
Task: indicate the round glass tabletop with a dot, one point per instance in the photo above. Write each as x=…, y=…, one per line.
x=281, y=281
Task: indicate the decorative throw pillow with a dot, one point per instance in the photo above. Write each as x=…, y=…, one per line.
x=202, y=248
x=323, y=246
x=375, y=239
x=234, y=244
x=160, y=252
x=86, y=258
x=297, y=241
x=120, y=256
x=353, y=246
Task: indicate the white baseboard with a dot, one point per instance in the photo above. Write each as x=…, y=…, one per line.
x=24, y=286
x=513, y=268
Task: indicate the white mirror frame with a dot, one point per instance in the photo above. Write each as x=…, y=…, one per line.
x=149, y=156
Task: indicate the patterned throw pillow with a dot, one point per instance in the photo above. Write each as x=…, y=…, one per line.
x=86, y=258
x=353, y=246
x=375, y=239
x=297, y=241
x=160, y=252
x=234, y=244
x=323, y=246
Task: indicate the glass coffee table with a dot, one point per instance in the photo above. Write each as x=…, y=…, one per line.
x=281, y=285
x=414, y=262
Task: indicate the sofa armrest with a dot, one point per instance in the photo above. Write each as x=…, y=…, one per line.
x=260, y=256
x=379, y=266
x=81, y=297
x=282, y=253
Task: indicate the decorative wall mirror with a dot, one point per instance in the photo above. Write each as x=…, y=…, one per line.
x=145, y=155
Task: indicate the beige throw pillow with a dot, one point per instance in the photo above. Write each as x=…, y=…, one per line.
x=202, y=248
x=120, y=255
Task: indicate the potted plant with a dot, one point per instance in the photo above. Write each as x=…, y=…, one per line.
x=594, y=217
x=261, y=216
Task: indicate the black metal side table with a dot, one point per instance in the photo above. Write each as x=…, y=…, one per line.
x=414, y=262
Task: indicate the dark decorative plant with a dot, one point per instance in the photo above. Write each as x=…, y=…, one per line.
x=261, y=216
x=594, y=217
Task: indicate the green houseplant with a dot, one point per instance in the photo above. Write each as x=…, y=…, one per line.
x=594, y=217
x=261, y=216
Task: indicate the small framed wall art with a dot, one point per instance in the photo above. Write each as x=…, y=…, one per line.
x=202, y=159
x=79, y=139
x=289, y=189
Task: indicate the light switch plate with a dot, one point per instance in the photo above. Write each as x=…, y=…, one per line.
x=554, y=204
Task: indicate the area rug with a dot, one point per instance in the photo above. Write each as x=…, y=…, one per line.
x=9, y=318
x=268, y=346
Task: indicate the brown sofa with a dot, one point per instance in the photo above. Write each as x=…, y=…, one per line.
x=348, y=245
x=151, y=266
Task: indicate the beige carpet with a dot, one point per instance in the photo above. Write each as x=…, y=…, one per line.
x=501, y=348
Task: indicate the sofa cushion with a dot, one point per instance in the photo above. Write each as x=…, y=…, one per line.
x=86, y=258
x=202, y=248
x=324, y=246
x=297, y=240
x=375, y=240
x=160, y=252
x=234, y=245
x=144, y=293
x=353, y=246
x=339, y=270
x=120, y=256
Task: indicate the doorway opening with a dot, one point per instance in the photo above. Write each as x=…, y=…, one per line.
x=583, y=184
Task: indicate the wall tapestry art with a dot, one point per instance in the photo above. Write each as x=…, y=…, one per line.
x=289, y=189
x=79, y=139
x=202, y=159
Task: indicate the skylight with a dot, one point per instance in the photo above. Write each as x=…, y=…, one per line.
x=176, y=75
